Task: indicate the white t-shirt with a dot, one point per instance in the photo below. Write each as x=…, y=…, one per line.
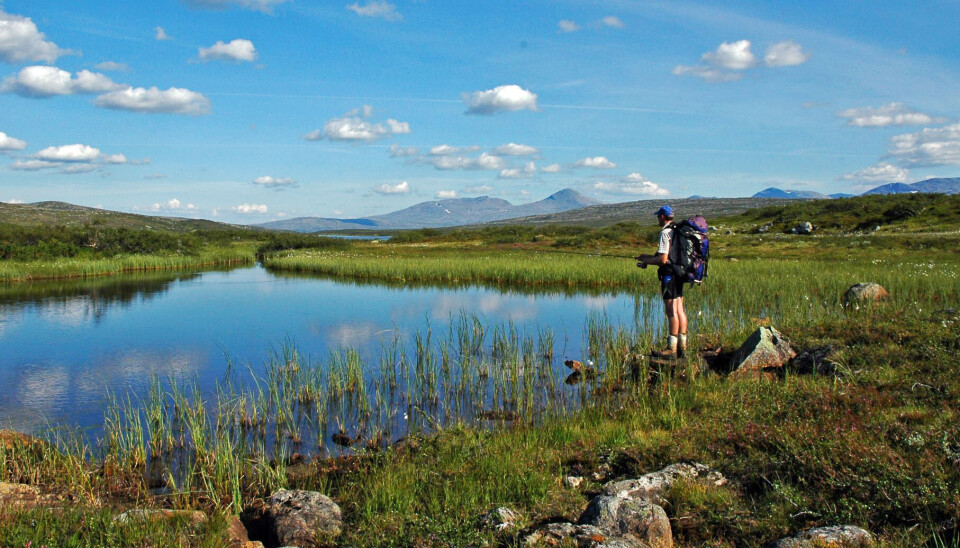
x=664, y=246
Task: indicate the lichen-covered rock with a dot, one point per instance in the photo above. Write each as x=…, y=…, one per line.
x=500, y=519
x=551, y=534
x=804, y=228
x=618, y=516
x=25, y=496
x=842, y=536
x=588, y=536
x=654, y=486
x=765, y=349
x=301, y=518
x=865, y=292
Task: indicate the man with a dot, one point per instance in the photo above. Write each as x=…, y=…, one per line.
x=671, y=286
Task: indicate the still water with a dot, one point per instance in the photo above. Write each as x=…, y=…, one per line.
x=64, y=345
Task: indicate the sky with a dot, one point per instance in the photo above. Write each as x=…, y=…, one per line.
x=247, y=111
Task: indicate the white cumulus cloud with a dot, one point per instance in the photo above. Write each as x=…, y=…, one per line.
x=891, y=114
x=611, y=21
x=8, y=143
x=513, y=149
x=377, y=8
x=33, y=165
x=386, y=188
x=397, y=151
x=69, y=153
x=500, y=99
x=633, y=184
x=567, y=25
x=160, y=35
x=883, y=172
x=238, y=51
x=446, y=194
x=928, y=147
x=22, y=41
x=46, y=81
x=525, y=172
x=267, y=181
x=733, y=55
x=785, y=54
x=154, y=100
x=484, y=161
x=250, y=209
x=598, y=162
x=355, y=126
x=552, y=168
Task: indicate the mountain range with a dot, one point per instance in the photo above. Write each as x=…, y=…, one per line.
x=442, y=213
x=938, y=185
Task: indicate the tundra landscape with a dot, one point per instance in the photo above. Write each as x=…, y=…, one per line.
x=408, y=273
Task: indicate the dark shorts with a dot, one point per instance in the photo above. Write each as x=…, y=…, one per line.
x=671, y=287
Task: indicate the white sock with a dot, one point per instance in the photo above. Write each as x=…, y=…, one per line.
x=683, y=341
x=672, y=341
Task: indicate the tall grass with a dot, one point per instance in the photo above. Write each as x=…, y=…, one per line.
x=17, y=271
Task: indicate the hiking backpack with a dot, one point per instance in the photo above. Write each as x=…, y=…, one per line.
x=692, y=249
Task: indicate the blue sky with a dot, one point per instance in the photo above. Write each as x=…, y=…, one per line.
x=255, y=110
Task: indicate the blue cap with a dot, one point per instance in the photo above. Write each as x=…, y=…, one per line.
x=666, y=211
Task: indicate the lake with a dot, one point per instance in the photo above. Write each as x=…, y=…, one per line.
x=65, y=344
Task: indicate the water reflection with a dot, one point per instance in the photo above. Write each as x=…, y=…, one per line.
x=64, y=345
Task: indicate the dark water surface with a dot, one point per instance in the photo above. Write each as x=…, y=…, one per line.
x=64, y=345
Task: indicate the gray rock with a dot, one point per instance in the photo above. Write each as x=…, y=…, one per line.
x=865, y=292
x=842, y=536
x=804, y=228
x=766, y=348
x=814, y=361
x=500, y=519
x=619, y=517
x=588, y=536
x=654, y=486
x=302, y=518
x=551, y=534
x=764, y=228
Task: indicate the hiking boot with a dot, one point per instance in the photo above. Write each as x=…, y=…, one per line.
x=681, y=353
x=666, y=353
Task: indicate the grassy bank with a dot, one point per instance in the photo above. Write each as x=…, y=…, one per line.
x=44, y=253
x=62, y=268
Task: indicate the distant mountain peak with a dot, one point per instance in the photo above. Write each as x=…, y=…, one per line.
x=774, y=192
x=447, y=212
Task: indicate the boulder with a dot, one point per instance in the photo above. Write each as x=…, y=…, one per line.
x=765, y=349
x=653, y=487
x=237, y=536
x=301, y=518
x=551, y=534
x=500, y=519
x=814, y=361
x=25, y=496
x=865, y=292
x=804, y=228
x=842, y=536
x=617, y=516
x=588, y=536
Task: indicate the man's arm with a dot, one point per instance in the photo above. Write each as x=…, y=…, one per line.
x=655, y=260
